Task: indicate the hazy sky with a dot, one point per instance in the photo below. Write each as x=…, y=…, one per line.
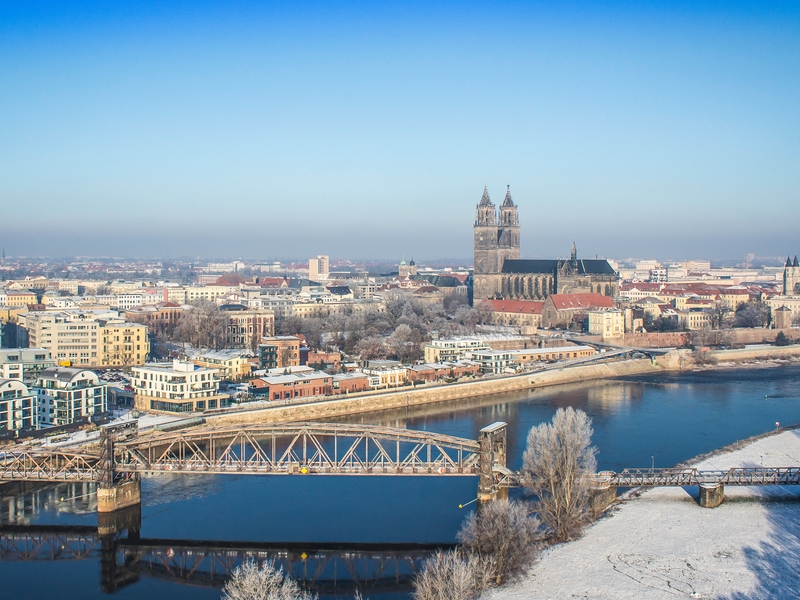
x=369, y=129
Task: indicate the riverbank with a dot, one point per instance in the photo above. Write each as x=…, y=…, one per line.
x=660, y=544
x=406, y=397
x=333, y=407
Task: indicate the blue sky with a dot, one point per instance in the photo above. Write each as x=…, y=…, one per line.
x=369, y=129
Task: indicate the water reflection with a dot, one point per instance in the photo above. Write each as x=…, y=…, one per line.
x=125, y=557
x=22, y=502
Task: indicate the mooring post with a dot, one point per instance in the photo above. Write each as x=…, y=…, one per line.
x=492, y=451
x=115, y=492
x=711, y=494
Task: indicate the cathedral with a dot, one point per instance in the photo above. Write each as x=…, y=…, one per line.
x=500, y=273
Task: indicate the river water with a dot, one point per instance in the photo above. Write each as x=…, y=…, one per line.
x=637, y=422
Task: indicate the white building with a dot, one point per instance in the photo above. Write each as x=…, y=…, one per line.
x=66, y=394
x=19, y=408
x=128, y=301
x=318, y=268
x=607, y=323
x=176, y=387
x=452, y=350
x=24, y=364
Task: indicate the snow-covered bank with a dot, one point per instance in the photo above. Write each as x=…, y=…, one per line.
x=662, y=544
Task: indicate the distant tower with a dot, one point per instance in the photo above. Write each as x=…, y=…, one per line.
x=573, y=254
x=508, y=234
x=791, y=277
x=487, y=235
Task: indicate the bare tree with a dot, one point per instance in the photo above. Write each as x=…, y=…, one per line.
x=371, y=348
x=453, y=576
x=505, y=532
x=558, y=468
x=249, y=582
x=753, y=314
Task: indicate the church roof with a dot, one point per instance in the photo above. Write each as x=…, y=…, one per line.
x=485, y=201
x=531, y=307
x=580, y=301
x=795, y=264
x=549, y=266
x=507, y=201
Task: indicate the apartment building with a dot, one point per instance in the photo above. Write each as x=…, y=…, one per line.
x=19, y=408
x=452, y=350
x=24, y=364
x=66, y=394
x=123, y=344
x=233, y=365
x=87, y=338
x=176, y=387
x=18, y=298
x=279, y=352
x=246, y=324
x=293, y=385
x=607, y=323
x=71, y=337
x=128, y=301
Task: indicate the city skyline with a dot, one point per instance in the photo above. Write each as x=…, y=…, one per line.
x=369, y=132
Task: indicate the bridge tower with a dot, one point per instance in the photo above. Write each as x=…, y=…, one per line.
x=492, y=451
x=116, y=491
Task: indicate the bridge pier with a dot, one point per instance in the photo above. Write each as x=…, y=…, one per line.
x=711, y=494
x=604, y=494
x=116, y=492
x=492, y=452
x=119, y=496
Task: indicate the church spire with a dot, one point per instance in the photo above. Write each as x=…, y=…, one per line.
x=788, y=261
x=795, y=263
x=573, y=254
x=485, y=201
x=508, y=202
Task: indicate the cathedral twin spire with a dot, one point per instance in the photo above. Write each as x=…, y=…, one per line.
x=487, y=213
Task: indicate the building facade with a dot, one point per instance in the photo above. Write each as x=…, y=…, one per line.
x=499, y=272
x=24, y=364
x=19, y=407
x=176, y=387
x=66, y=394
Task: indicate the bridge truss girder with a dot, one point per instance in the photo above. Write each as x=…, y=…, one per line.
x=306, y=448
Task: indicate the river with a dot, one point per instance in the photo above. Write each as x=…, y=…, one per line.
x=637, y=422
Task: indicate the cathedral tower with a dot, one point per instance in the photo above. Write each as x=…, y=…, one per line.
x=791, y=277
x=487, y=235
x=508, y=234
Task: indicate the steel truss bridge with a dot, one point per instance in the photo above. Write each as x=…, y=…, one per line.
x=329, y=449
x=319, y=567
x=297, y=448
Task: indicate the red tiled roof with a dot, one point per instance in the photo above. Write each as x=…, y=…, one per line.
x=528, y=307
x=579, y=301
x=641, y=286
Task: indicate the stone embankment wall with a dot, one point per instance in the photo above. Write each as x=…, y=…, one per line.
x=748, y=354
x=413, y=397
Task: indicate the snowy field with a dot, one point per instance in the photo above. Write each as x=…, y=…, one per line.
x=663, y=545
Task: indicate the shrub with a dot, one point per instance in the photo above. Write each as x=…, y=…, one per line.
x=453, y=576
x=249, y=582
x=505, y=532
x=782, y=340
